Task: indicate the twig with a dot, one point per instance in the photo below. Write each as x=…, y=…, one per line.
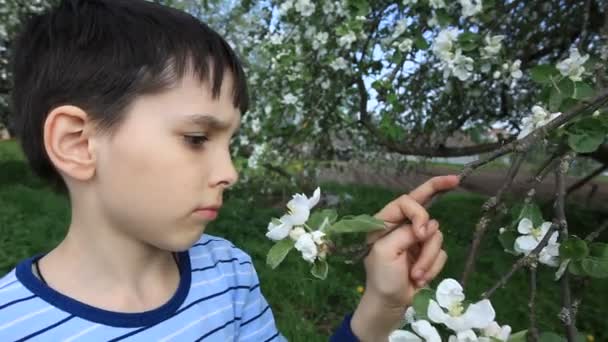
x=584, y=181
x=489, y=209
x=525, y=143
x=594, y=235
x=533, y=336
x=584, y=26
x=566, y=314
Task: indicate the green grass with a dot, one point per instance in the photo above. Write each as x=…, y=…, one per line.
x=33, y=219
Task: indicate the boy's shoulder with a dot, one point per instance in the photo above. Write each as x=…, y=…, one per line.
x=216, y=248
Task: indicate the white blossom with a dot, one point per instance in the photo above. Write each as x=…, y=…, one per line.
x=514, y=69
x=461, y=66
x=470, y=7
x=436, y=4
x=308, y=247
x=285, y=7
x=399, y=28
x=444, y=43
x=296, y=232
x=305, y=7
x=319, y=39
x=347, y=39
x=572, y=66
x=494, y=330
x=325, y=85
x=539, y=118
x=409, y=2
x=532, y=236
x=339, y=64
x=493, y=45
x=276, y=38
x=449, y=297
x=405, y=45
x=290, y=99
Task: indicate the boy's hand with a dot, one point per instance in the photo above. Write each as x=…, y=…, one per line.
x=401, y=262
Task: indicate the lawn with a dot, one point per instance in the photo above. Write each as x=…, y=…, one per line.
x=33, y=219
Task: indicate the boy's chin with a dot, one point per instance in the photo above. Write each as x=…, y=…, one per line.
x=181, y=241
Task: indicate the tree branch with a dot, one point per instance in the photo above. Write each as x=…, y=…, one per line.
x=525, y=143
x=533, y=336
x=585, y=180
x=489, y=209
x=567, y=314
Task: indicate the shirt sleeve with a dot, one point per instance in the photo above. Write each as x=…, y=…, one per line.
x=344, y=333
x=257, y=320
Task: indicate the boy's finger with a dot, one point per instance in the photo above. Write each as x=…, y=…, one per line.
x=428, y=254
x=425, y=192
x=399, y=240
x=436, y=267
x=405, y=208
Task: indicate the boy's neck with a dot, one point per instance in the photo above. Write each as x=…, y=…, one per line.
x=110, y=271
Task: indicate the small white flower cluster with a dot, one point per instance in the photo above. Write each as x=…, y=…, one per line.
x=293, y=225
x=531, y=237
x=572, y=67
x=305, y=7
x=540, y=117
x=470, y=7
x=451, y=57
x=448, y=308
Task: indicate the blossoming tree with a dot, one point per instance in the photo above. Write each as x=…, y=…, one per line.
x=403, y=76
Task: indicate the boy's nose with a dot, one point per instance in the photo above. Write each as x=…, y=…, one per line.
x=224, y=173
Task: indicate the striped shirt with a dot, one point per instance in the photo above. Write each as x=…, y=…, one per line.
x=218, y=299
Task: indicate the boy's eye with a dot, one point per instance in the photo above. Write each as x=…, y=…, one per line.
x=195, y=141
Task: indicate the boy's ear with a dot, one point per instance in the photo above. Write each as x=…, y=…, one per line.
x=68, y=142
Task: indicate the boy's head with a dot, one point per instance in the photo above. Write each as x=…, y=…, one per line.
x=130, y=107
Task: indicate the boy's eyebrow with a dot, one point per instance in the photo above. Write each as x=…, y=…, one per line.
x=209, y=121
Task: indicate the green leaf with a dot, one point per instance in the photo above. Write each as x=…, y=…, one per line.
x=443, y=18
x=566, y=88
x=357, y=224
x=599, y=250
x=586, y=142
x=555, y=100
x=520, y=336
x=468, y=41
x=582, y=91
x=542, y=73
x=530, y=211
x=278, y=252
x=595, y=267
x=576, y=268
x=507, y=240
x=420, y=42
x=551, y=337
x=319, y=269
x=421, y=302
x=317, y=219
x=573, y=248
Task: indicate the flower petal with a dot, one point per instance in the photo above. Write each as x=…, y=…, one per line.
x=279, y=231
x=403, y=336
x=316, y=196
x=449, y=292
x=466, y=336
x=544, y=228
x=525, y=226
x=525, y=244
x=480, y=314
x=410, y=315
x=426, y=330
x=436, y=313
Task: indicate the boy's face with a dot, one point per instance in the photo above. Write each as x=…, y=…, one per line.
x=169, y=157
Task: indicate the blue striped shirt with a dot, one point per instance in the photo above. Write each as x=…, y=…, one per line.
x=218, y=299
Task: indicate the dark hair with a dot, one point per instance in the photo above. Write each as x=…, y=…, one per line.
x=100, y=55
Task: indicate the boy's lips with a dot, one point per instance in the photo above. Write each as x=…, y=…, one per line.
x=208, y=213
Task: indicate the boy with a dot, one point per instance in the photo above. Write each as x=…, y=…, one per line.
x=129, y=107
